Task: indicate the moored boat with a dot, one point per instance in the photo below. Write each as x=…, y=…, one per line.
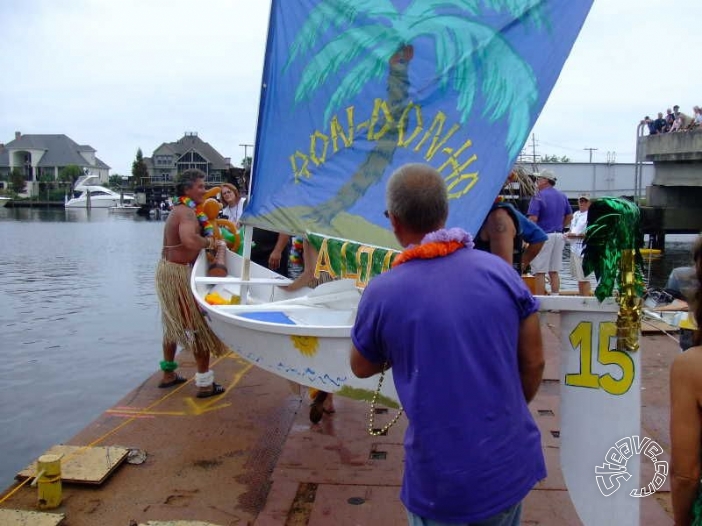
x=88, y=195
x=124, y=209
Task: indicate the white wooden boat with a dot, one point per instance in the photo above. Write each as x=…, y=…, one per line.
x=303, y=336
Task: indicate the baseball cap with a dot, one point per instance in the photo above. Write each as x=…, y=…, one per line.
x=546, y=174
x=583, y=197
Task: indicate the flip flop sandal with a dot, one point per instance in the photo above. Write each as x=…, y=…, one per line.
x=176, y=381
x=216, y=390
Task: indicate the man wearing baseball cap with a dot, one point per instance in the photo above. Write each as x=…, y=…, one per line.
x=575, y=236
x=549, y=209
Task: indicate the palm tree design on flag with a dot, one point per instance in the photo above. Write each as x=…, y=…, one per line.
x=378, y=40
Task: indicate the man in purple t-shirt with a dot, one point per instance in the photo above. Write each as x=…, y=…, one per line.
x=549, y=209
x=461, y=332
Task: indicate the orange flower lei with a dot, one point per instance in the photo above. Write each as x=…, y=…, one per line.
x=435, y=245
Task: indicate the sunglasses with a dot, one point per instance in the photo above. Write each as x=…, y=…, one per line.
x=386, y=214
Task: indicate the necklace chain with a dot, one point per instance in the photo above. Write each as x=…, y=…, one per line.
x=435, y=244
x=374, y=400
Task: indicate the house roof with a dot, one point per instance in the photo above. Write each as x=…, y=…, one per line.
x=60, y=150
x=165, y=149
x=101, y=164
x=193, y=142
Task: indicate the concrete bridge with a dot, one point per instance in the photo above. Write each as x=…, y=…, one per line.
x=674, y=198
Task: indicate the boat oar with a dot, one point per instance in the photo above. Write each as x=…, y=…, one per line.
x=334, y=291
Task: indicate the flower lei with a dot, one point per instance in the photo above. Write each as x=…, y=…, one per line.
x=435, y=245
x=205, y=224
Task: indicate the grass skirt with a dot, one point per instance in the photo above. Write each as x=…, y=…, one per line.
x=181, y=318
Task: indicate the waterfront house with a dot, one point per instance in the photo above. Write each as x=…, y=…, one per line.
x=41, y=157
x=172, y=158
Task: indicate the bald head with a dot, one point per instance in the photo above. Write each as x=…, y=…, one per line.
x=416, y=195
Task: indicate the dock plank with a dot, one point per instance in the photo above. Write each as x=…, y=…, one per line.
x=30, y=518
x=82, y=465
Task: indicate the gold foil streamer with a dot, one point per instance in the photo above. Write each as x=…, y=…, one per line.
x=630, y=305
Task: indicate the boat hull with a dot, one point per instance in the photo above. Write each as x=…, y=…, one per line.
x=95, y=202
x=125, y=209
x=309, y=346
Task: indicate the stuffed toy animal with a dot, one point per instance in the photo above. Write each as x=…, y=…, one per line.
x=222, y=228
x=218, y=261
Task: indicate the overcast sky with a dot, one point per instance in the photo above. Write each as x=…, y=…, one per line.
x=120, y=75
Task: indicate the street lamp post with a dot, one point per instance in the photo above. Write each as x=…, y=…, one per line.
x=246, y=147
x=247, y=183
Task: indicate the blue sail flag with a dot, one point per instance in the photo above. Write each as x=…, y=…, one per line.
x=353, y=89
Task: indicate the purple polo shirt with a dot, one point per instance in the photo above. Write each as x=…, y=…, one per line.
x=550, y=206
x=449, y=326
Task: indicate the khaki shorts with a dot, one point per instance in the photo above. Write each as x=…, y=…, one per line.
x=550, y=258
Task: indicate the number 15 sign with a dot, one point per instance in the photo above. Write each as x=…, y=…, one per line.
x=600, y=404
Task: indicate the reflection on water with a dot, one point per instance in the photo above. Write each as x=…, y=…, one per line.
x=79, y=320
x=656, y=268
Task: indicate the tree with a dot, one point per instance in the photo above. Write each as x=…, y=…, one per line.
x=555, y=159
x=46, y=182
x=17, y=181
x=382, y=48
x=246, y=163
x=69, y=174
x=139, y=170
x=117, y=181
x=18, y=184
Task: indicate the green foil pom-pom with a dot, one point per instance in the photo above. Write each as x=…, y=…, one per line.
x=613, y=225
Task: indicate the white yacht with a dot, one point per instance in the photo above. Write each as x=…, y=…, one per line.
x=99, y=196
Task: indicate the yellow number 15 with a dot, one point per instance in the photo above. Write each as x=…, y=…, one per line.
x=581, y=338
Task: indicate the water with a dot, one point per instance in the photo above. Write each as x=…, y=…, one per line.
x=656, y=269
x=79, y=323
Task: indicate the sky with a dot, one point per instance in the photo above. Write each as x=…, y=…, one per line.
x=128, y=74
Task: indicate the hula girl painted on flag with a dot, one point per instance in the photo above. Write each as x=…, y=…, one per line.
x=352, y=89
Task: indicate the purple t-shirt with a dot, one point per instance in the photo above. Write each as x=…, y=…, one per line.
x=450, y=326
x=549, y=206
